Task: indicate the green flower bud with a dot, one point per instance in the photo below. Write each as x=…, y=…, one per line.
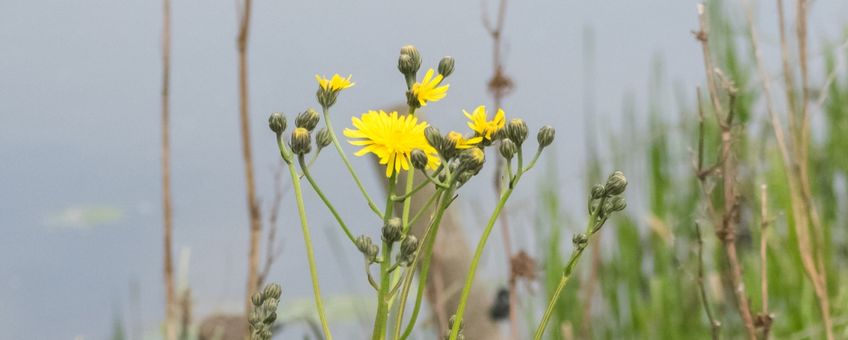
x=507, y=148
x=446, y=66
x=269, y=319
x=277, y=122
x=326, y=97
x=409, y=245
x=362, y=243
x=406, y=65
x=580, y=240
x=616, y=183
x=516, y=130
x=301, y=141
x=256, y=298
x=472, y=159
x=323, y=138
x=272, y=291
x=372, y=252
x=307, y=119
x=545, y=136
x=266, y=334
x=418, y=159
x=415, y=59
x=598, y=191
x=254, y=318
x=392, y=230
x=434, y=137
x=617, y=203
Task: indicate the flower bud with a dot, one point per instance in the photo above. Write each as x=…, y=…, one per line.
x=580, y=240
x=472, y=159
x=545, y=136
x=266, y=333
x=301, y=141
x=434, y=137
x=392, y=230
x=277, y=122
x=507, y=148
x=415, y=59
x=409, y=245
x=517, y=131
x=616, y=183
x=326, y=97
x=598, y=191
x=406, y=65
x=269, y=319
x=256, y=298
x=372, y=252
x=254, y=318
x=307, y=119
x=446, y=66
x=617, y=203
x=323, y=138
x=418, y=159
x=362, y=243
x=272, y=291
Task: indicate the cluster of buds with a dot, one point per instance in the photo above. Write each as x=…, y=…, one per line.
x=604, y=199
x=264, y=312
x=459, y=335
x=367, y=247
x=300, y=140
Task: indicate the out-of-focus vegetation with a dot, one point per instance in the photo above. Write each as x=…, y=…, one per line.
x=647, y=273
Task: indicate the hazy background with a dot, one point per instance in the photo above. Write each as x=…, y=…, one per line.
x=80, y=148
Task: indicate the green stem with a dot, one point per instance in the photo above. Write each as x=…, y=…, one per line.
x=407, y=197
x=429, y=242
x=310, y=254
x=591, y=227
x=347, y=164
x=466, y=290
x=411, y=192
x=382, y=295
x=326, y=201
x=424, y=209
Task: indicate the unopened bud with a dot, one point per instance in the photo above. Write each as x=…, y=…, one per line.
x=419, y=159
x=307, y=119
x=580, y=240
x=301, y=141
x=392, y=230
x=409, y=245
x=598, y=191
x=434, y=137
x=472, y=159
x=517, y=131
x=616, y=183
x=507, y=148
x=415, y=59
x=406, y=65
x=617, y=203
x=272, y=291
x=256, y=298
x=446, y=66
x=323, y=138
x=277, y=122
x=545, y=136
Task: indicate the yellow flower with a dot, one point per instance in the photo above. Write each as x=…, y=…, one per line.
x=460, y=141
x=428, y=90
x=337, y=83
x=478, y=121
x=391, y=138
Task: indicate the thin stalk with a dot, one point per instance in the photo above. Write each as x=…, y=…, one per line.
x=167, y=211
x=407, y=198
x=425, y=207
x=715, y=326
x=591, y=228
x=305, y=169
x=466, y=290
x=347, y=164
x=307, y=240
x=382, y=295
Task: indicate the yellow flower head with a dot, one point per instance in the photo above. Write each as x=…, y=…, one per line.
x=460, y=142
x=336, y=83
x=478, y=121
x=428, y=90
x=391, y=138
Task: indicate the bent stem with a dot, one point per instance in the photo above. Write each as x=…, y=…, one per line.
x=305, y=168
x=347, y=164
x=310, y=254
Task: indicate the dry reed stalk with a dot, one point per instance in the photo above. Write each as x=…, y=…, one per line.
x=252, y=202
x=803, y=211
x=726, y=225
x=167, y=211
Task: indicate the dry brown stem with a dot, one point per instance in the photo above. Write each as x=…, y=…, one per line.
x=252, y=202
x=167, y=211
x=795, y=168
x=726, y=225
